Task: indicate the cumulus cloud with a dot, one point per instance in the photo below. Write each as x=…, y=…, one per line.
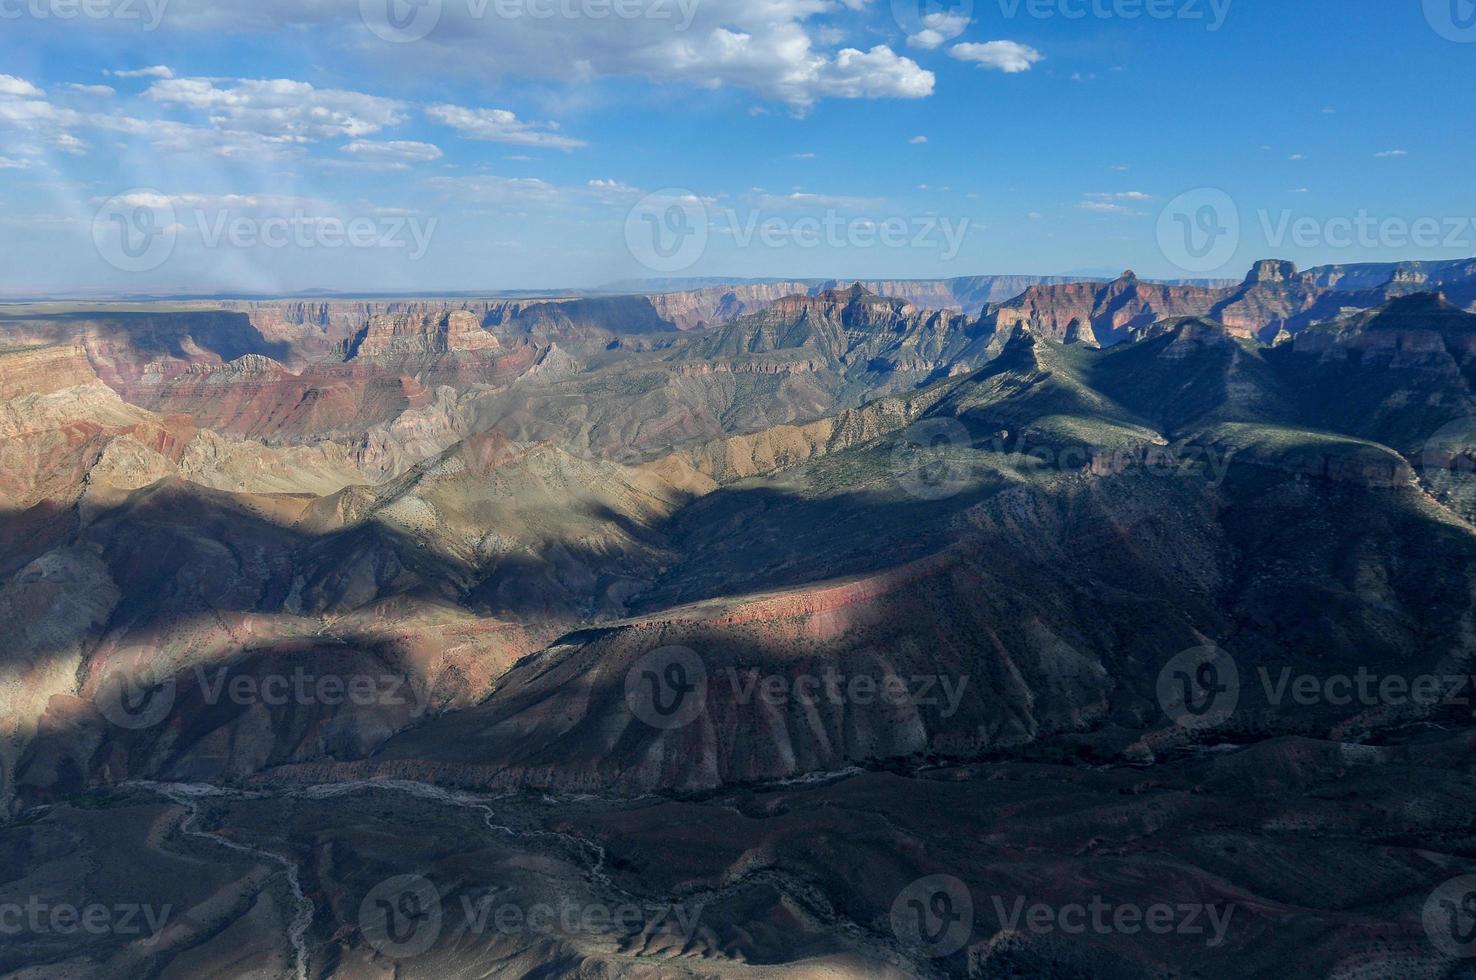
x=938, y=28
x=1392, y=153
x=784, y=50
x=26, y=109
x=918, y=140
x=281, y=109
x=12, y=87
x=1113, y=202
x=501, y=126
x=806, y=200
x=1009, y=57
x=394, y=153
x=876, y=74
x=157, y=71
x=95, y=91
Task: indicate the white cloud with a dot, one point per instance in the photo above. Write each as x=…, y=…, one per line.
x=70, y=144
x=1392, y=153
x=12, y=87
x=280, y=109
x=95, y=91
x=6, y=163
x=804, y=156
x=938, y=28
x=1006, y=56
x=918, y=140
x=501, y=126
x=607, y=190
x=1115, y=202
x=780, y=49
x=500, y=191
x=1297, y=156
x=396, y=153
x=157, y=71
x=879, y=73
x=53, y=124
x=800, y=200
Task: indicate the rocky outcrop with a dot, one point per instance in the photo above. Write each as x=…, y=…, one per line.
x=1409, y=328
x=1105, y=312
x=420, y=335
x=42, y=370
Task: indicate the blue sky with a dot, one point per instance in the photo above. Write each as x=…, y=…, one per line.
x=285, y=145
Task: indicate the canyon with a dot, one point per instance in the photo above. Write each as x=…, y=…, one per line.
x=769, y=598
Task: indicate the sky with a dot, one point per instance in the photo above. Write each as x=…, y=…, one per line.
x=282, y=146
